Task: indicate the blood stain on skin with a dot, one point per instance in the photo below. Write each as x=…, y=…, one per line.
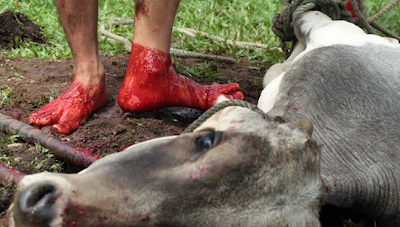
x=69, y=110
x=327, y=128
x=146, y=218
x=73, y=224
x=197, y=174
x=237, y=121
x=152, y=83
x=125, y=198
x=140, y=8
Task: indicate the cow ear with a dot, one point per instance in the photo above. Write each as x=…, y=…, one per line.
x=303, y=125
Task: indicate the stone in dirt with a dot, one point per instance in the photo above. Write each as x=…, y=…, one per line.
x=16, y=28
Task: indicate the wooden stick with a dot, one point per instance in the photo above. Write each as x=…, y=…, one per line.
x=60, y=149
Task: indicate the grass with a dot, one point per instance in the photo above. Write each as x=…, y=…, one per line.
x=9, y=139
x=244, y=20
x=5, y=96
x=6, y=159
x=205, y=70
x=5, y=140
x=38, y=164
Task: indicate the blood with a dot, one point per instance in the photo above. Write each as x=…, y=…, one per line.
x=13, y=174
x=86, y=154
x=73, y=224
x=151, y=83
x=324, y=187
x=140, y=8
x=327, y=128
x=146, y=218
x=72, y=215
x=349, y=7
x=237, y=121
x=197, y=174
x=69, y=110
x=125, y=198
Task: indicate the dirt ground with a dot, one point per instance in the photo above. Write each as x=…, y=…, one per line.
x=16, y=28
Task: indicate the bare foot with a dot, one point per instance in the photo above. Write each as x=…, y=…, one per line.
x=151, y=83
x=69, y=110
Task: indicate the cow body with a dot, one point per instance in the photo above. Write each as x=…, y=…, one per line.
x=347, y=83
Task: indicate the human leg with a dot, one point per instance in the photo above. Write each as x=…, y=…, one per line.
x=87, y=92
x=150, y=81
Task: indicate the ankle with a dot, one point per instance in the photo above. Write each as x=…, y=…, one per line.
x=148, y=63
x=88, y=72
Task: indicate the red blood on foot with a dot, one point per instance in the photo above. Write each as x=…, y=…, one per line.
x=151, y=83
x=69, y=110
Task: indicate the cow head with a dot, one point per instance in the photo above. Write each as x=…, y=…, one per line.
x=236, y=169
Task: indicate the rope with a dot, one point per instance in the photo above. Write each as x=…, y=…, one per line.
x=219, y=106
x=384, y=30
x=383, y=11
x=174, y=51
x=283, y=22
x=370, y=24
x=192, y=33
x=191, y=54
x=361, y=12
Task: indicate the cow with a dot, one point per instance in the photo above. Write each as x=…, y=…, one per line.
x=330, y=135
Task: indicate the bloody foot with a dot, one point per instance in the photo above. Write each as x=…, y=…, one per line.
x=69, y=110
x=151, y=83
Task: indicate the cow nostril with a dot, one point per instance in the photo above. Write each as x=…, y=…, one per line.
x=36, y=202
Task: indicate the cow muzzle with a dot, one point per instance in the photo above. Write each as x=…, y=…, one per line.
x=36, y=205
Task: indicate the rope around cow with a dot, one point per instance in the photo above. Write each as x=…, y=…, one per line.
x=336, y=9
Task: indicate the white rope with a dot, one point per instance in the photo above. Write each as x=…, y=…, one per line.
x=174, y=51
x=189, y=32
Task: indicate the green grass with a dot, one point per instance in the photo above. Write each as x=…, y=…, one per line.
x=205, y=70
x=38, y=164
x=5, y=96
x=244, y=20
x=6, y=139
x=6, y=159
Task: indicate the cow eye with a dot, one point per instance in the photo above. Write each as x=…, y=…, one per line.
x=206, y=141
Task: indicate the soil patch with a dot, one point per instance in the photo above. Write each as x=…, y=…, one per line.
x=16, y=28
